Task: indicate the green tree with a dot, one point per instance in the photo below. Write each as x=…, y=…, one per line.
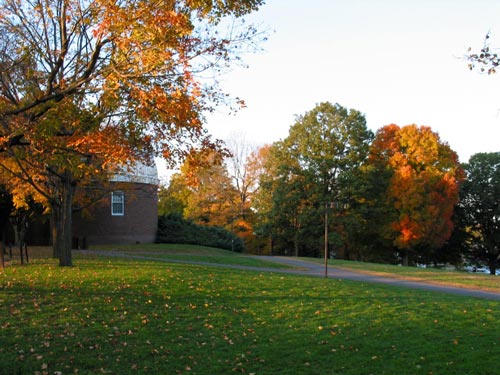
x=311, y=167
x=262, y=202
x=293, y=213
x=480, y=203
x=362, y=221
x=169, y=199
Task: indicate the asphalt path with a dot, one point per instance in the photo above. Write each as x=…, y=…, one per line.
x=315, y=269
x=302, y=267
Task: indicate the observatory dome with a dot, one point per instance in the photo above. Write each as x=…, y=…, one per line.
x=139, y=173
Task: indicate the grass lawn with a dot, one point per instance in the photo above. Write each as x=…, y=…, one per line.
x=189, y=253
x=161, y=248
x=433, y=275
x=128, y=316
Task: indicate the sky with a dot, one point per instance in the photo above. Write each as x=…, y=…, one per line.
x=395, y=61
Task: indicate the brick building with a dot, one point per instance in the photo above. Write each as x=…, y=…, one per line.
x=126, y=215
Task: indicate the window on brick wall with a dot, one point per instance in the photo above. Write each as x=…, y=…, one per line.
x=117, y=203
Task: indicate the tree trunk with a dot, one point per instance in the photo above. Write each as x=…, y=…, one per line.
x=21, y=252
x=296, y=244
x=5, y=243
x=22, y=237
x=3, y=246
x=296, y=237
x=54, y=220
x=2, y=255
x=493, y=266
x=61, y=226
x=26, y=252
x=406, y=257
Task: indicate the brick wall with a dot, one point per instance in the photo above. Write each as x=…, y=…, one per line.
x=137, y=225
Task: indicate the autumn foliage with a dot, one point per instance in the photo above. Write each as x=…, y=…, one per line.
x=423, y=187
x=209, y=192
x=87, y=87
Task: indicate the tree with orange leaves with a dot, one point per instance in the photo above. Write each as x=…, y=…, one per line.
x=423, y=186
x=87, y=87
x=208, y=194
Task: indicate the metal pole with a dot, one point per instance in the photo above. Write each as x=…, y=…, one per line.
x=326, y=240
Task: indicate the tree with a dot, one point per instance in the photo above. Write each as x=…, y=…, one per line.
x=89, y=87
x=168, y=202
x=204, y=190
x=290, y=205
x=486, y=60
x=480, y=204
x=311, y=167
x=424, y=176
x=241, y=171
x=363, y=218
x=50, y=167
x=244, y=166
x=262, y=202
x=327, y=142
x=213, y=189
x=6, y=207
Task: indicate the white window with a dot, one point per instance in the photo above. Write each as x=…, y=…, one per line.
x=117, y=203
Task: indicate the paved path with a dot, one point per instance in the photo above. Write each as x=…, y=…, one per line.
x=303, y=267
x=315, y=269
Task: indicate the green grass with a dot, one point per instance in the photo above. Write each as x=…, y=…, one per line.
x=165, y=248
x=433, y=275
x=190, y=253
x=125, y=316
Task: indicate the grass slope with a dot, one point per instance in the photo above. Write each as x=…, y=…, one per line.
x=433, y=275
x=123, y=316
x=189, y=253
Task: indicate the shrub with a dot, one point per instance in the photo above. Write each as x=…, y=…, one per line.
x=173, y=228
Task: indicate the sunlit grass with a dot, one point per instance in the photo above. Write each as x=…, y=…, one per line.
x=165, y=249
x=189, y=253
x=433, y=275
x=123, y=316
x=238, y=260
x=34, y=252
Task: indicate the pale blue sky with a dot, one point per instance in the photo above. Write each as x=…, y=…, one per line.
x=396, y=61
